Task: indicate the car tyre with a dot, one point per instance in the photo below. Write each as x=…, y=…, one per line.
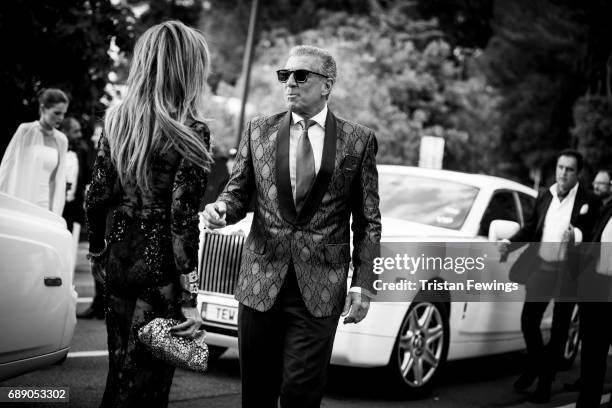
x=62, y=360
x=572, y=344
x=421, y=346
x=215, y=353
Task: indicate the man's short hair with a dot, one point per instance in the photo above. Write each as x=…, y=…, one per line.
x=607, y=171
x=67, y=123
x=328, y=64
x=575, y=154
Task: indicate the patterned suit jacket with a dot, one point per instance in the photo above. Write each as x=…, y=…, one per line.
x=315, y=240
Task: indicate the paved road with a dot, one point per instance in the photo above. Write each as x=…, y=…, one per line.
x=484, y=382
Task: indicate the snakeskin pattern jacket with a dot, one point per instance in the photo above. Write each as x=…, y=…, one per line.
x=316, y=239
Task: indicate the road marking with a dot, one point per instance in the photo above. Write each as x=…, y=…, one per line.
x=95, y=353
x=85, y=300
x=604, y=399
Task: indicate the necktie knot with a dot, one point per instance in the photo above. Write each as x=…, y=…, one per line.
x=306, y=124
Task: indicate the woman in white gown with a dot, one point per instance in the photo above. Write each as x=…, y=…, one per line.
x=34, y=165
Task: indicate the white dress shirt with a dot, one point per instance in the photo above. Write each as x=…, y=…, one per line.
x=72, y=174
x=316, y=134
x=556, y=222
x=604, y=266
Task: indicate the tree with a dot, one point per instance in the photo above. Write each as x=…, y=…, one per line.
x=401, y=80
x=157, y=11
x=592, y=131
x=534, y=59
x=466, y=23
x=225, y=23
x=60, y=44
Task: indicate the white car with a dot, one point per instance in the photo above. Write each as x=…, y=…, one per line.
x=37, y=298
x=413, y=339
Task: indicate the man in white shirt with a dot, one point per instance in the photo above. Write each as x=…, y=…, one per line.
x=309, y=172
x=595, y=284
x=564, y=213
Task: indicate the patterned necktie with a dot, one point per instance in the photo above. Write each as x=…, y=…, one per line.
x=304, y=165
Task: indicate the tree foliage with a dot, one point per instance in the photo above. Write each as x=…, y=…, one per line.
x=226, y=22
x=467, y=23
x=60, y=44
x=592, y=130
x=401, y=80
x=534, y=59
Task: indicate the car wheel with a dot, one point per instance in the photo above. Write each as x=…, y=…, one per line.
x=62, y=360
x=421, y=347
x=215, y=352
x=572, y=344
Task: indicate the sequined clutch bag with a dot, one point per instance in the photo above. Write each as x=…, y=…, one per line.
x=182, y=352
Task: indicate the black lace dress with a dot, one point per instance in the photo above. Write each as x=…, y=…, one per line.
x=152, y=242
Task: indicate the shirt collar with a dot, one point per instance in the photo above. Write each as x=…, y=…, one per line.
x=570, y=194
x=319, y=117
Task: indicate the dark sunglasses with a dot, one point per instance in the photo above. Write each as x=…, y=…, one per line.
x=300, y=75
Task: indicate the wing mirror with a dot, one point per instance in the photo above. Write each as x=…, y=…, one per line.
x=502, y=229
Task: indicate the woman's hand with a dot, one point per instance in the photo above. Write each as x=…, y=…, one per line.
x=191, y=326
x=97, y=270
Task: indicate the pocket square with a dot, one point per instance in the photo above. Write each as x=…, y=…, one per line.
x=584, y=209
x=349, y=163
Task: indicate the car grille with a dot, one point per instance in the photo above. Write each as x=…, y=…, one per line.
x=220, y=262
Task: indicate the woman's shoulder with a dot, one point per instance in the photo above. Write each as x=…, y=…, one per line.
x=28, y=132
x=61, y=138
x=28, y=126
x=202, y=129
x=199, y=126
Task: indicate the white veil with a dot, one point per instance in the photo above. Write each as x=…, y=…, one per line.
x=20, y=167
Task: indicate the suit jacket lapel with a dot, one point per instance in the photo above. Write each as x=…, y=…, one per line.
x=321, y=183
x=605, y=215
x=283, y=180
x=579, y=201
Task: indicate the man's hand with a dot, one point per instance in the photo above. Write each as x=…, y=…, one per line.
x=503, y=246
x=569, y=235
x=356, y=306
x=214, y=215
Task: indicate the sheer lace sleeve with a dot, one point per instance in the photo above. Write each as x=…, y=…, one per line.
x=100, y=196
x=187, y=194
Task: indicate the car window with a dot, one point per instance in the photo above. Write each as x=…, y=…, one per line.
x=502, y=206
x=527, y=205
x=426, y=200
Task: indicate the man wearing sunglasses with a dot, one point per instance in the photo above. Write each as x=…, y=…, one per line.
x=309, y=172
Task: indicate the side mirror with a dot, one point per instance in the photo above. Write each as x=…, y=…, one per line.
x=502, y=229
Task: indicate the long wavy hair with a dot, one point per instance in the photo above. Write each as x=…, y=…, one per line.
x=165, y=91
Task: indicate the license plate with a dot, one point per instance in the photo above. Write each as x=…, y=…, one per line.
x=222, y=314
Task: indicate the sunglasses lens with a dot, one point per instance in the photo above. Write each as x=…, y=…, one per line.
x=283, y=75
x=300, y=75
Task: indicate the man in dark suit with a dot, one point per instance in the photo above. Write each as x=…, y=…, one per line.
x=564, y=213
x=309, y=172
x=74, y=212
x=595, y=295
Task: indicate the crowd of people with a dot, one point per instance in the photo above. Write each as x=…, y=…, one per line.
x=565, y=215
x=149, y=170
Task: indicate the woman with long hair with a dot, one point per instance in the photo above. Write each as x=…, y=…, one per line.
x=34, y=165
x=151, y=171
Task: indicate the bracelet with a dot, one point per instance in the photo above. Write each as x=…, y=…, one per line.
x=93, y=255
x=189, y=282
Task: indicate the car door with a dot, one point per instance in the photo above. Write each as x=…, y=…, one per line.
x=496, y=318
x=36, y=276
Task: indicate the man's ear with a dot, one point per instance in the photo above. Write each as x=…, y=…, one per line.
x=327, y=86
